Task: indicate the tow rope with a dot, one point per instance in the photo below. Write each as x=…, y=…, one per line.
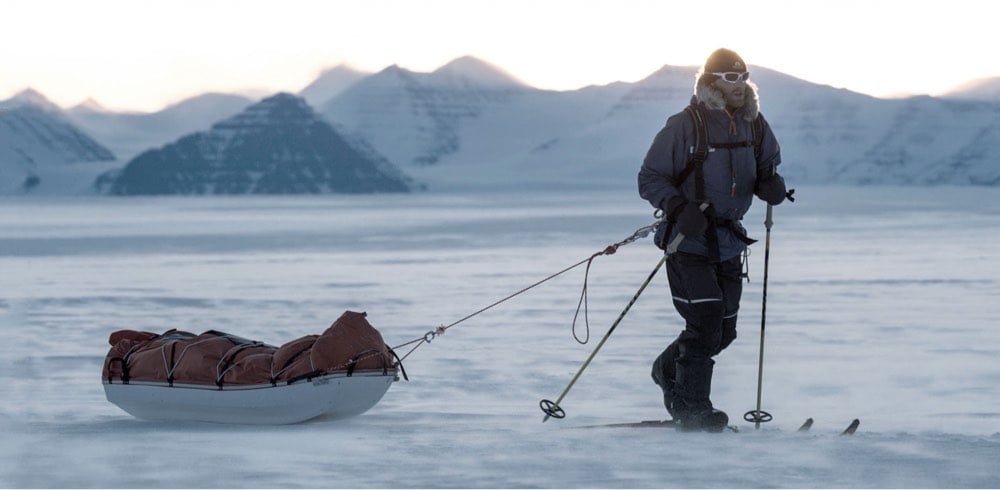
x=609, y=250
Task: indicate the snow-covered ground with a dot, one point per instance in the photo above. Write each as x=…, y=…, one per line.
x=881, y=305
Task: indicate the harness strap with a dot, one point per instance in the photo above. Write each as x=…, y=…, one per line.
x=702, y=147
x=731, y=225
x=699, y=153
x=695, y=164
x=712, y=235
x=757, y=128
x=728, y=224
x=732, y=146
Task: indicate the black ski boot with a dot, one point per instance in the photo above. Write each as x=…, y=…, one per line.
x=663, y=375
x=692, y=388
x=707, y=420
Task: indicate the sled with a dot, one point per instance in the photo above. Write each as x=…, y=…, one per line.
x=223, y=378
x=333, y=396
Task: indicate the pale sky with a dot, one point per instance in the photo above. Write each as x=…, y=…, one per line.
x=144, y=54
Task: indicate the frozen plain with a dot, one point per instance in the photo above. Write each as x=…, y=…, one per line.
x=882, y=305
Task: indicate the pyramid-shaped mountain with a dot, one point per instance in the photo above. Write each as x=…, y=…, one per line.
x=42, y=151
x=277, y=146
x=418, y=118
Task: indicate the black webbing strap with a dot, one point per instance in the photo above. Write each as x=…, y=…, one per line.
x=702, y=147
x=695, y=164
x=731, y=226
x=399, y=362
x=124, y=367
x=731, y=146
x=124, y=361
x=757, y=127
x=307, y=376
x=711, y=234
x=700, y=151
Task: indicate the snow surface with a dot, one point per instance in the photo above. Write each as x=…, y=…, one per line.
x=881, y=305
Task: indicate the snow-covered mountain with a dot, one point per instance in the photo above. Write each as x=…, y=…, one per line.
x=277, y=146
x=42, y=152
x=331, y=83
x=416, y=118
x=468, y=124
x=982, y=89
x=929, y=141
x=129, y=133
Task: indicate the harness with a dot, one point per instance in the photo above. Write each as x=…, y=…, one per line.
x=695, y=165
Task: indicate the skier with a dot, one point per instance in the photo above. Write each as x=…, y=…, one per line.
x=703, y=169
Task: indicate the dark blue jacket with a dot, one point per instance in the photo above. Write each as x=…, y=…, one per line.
x=730, y=174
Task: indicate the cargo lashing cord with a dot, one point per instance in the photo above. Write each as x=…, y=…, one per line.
x=609, y=250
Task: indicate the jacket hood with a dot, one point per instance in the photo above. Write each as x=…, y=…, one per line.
x=713, y=98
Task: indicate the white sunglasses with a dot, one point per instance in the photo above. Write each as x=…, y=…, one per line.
x=733, y=76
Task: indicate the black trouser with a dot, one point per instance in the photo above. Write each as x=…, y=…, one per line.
x=707, y=295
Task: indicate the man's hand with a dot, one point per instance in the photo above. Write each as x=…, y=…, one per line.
x=771, y=189
x=691, y=221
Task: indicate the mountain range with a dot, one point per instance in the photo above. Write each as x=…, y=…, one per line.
x=469, y=124
x=276, y=146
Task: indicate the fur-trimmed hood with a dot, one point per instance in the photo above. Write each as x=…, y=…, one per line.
x=713, y=98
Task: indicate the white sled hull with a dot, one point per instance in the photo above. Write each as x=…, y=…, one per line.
x=332, y=396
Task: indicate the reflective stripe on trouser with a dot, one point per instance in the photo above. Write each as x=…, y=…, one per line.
x=707, y=295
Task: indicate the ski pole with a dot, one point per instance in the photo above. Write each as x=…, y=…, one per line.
x=758, y=416
x=552, y=409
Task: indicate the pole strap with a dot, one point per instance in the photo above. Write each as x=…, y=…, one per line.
x=552, y=409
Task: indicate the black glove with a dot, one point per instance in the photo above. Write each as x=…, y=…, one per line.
x=771, y=189
x=691, y=220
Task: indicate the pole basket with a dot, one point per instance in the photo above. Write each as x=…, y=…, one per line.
x=551, y=409
x=757, y=416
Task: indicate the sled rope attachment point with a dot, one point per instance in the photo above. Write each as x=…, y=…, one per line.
x=609, y=250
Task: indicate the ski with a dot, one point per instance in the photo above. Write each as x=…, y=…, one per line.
x=644, y=423
x=668, y=424
x=851, y=429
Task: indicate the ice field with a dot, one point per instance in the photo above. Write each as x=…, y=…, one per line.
x=882, y=305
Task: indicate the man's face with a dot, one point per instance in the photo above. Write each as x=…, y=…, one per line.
x=733, y=92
